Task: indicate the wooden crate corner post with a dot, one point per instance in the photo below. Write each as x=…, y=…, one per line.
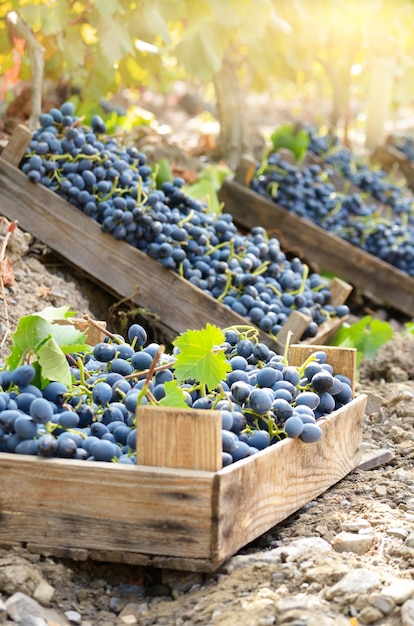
x=179, y=438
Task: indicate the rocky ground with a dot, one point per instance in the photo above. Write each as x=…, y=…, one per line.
x=346, y=558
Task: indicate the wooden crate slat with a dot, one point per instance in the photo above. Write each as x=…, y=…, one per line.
x=115, y=265
x=185, y=438
x=16, y=147
x=329, y=252
x=343, y=360
x=290, y=476
x=105, y=507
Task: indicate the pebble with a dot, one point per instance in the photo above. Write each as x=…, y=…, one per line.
x=407, y=613
x=352, y=542
x=369, y=615
x=20, y=605
x=409, y=542
x=355, y=525
x=384, y=603
x=44, y=593
x=399, y=533
x=3, y=611
x=130, y=614
x=356, y=581
x=74, y=617
x=400, y=590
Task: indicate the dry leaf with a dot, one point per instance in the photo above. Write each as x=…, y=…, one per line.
x=6, y=272
x=43, y=291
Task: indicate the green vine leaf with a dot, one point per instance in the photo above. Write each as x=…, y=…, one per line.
x=44, y=341
x=200, y=356
x=174, y=396
x=367, y=336
x=53, y=363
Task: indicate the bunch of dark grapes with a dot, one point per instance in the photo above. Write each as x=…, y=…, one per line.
x=309, y=193
x=371, y=180
x=405, y=144
x=262, y=401
x=114, y=185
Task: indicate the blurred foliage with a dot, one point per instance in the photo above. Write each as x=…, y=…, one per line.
x=321, y=47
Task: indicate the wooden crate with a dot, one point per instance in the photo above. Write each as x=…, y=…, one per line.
x=393, y=160
x=173, y=515
x=121, y=269
x=328, y=252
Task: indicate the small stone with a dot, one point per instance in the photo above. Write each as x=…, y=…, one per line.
x=74, y=617
x=20, y=605
x=44, y=593
x=384, y=603
x=3, y=611
x=409, y=542
x=181, y=582
x=18, y=575
x=369, y=615
x=352, y=542
x=131, y=612
x=410, y=504
x=355, y=525
x=407, y=613
x=380, y=490
x=29, y=620
x=356, y=581
x=399, y=533
x=294, y=549
x=400, y=590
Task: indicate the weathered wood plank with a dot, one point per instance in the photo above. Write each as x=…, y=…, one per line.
x=185, y=438
x=291, y=474
x=343, y=360
x=115, y=265
x=109, y=507
x=328, y=252
x=15, y=149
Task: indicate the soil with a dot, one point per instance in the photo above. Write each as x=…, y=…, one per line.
x=346, y=558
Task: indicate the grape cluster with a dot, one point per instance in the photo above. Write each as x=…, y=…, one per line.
x=405, y=144
x=114, y=185
x=262, y=399
x=372, y=181
x=309, y=193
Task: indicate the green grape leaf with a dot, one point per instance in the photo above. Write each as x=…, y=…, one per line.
x=291, y=138
x=174, y=396
x=32, y=331
x=53, y=363
x=200, y=358
x=164, y=172
x=367, y=335
x=52, y=313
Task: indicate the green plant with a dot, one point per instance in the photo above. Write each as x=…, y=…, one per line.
x=367, y=335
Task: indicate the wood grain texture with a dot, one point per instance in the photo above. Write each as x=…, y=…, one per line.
x=115, y=265
x=17, y=144
x=343, y=360
x=185, y=438
x=329, y=252
x=186, y=519
x=106, y=507
x=291, y=474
